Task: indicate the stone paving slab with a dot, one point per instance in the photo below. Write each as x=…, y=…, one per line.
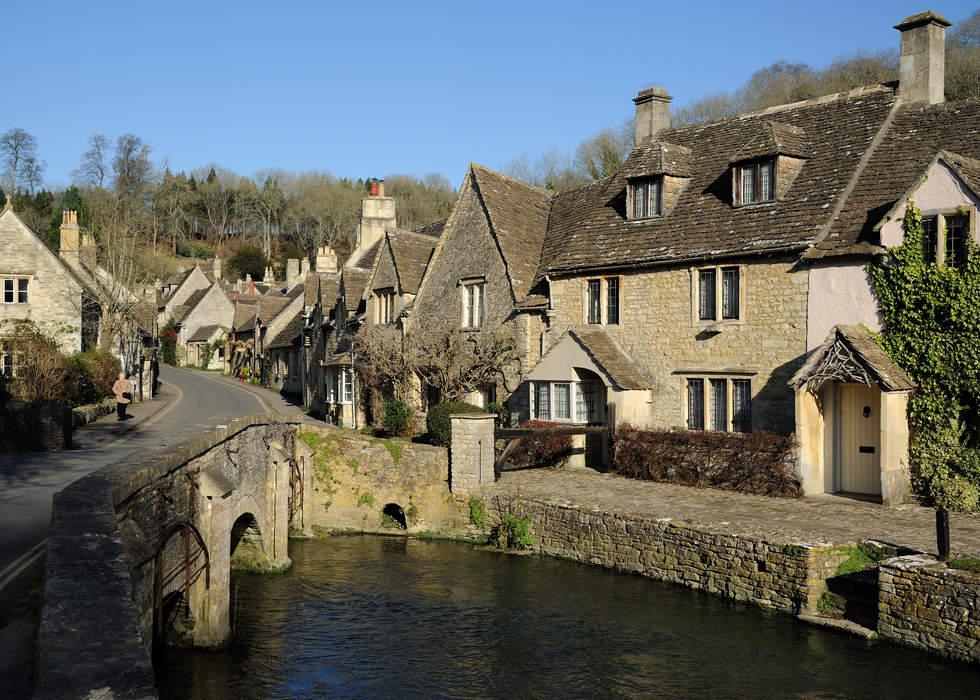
x=825, y=519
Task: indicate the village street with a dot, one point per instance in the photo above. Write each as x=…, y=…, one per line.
x=28, y=481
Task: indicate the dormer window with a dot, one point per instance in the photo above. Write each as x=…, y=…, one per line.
x=644, y=198
x=754, y=182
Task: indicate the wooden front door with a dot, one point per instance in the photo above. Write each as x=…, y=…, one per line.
x=858, y=439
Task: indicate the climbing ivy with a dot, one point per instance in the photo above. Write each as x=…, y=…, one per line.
x=931, y=314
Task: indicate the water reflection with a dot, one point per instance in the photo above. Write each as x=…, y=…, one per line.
x=392, y=617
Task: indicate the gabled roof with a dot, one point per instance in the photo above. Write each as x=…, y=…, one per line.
x=329, y=284
x=289, y=335
x=518, y=214
x=588, y=228
x=245, y=315
x=434, y=229
x=850, y=354
x=658, y=158
x=181, y=312
x=773, y=139
x=354, y=281
x=607, y=354
x=204, y=334
x=411, y=252
x=366, y=259
x=915, y=136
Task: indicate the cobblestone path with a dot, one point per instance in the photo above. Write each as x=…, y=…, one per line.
x=827, y=519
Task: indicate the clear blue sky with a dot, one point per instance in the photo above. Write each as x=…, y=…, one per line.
x=371, y=88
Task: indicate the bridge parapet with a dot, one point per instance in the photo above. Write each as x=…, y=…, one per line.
x=158, y=527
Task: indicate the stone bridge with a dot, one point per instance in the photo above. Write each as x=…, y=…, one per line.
x=141, y=552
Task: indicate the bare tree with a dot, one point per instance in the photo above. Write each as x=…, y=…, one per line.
x=131, y=167
x=32, y=171
x=16, y=145
x=95, y=161
x=604, y=153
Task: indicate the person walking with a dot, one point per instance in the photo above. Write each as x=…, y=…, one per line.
x=123, y=389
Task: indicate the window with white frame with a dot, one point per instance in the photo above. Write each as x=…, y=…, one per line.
x=472, y=298
x=9, y=359
x=566, y=402
x=944, y=238
x=725, y=297
x=15, y=290
x=643, y=198
x=755, y=182
x=341, y=386
x=718, y=403
x=602, y=301
x=384, y=306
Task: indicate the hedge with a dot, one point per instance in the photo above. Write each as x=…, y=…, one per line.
x=545, y=451
x=756, y=462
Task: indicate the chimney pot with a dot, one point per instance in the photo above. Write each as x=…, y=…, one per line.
x=652, y=114
x=922, y=69
x=381, y=188
x=374, y=188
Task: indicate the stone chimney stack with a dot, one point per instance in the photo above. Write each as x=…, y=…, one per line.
x=268, y=277
x=71, y=236
x=216, y=268
x=292, y=272
x=922, y=67
x=304, y=268
x=377, y=216
x=250, y=283
x=326, y=259
x=652, y=114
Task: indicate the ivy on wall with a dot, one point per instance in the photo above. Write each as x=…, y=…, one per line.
x=931, y=314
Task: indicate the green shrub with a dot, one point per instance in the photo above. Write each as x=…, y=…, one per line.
x=478, y=513
x=195, y=249
x=945, y=469
x=438, y=424
x=513, y=533
x=503, y=413
x=105, y=370
x=396, y=417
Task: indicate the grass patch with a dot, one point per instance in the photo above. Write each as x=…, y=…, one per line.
x=513, y=533
x=394, y=450
x=794, y=550
x=859, y=558
x=365, y=499
x=324, y=452
x=412, y=513
x=352, y=463
x=966, y=564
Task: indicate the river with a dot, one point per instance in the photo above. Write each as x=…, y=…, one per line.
x=366, y=616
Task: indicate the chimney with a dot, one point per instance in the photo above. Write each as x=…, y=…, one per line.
x=304, y=268
x=70, y=242
x=268, y=277
x=922, y=68
x=374, y=187
x=292, y=272
x=652, y=114
x=216, y=267
x=251, y=284
x=381, y=188
x=377, y=217
x=326, y=259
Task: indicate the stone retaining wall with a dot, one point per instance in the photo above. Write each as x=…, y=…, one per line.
x=355, y=476
x=926, y=605
x=30, y=427
x=784, y=576
x=89, y=413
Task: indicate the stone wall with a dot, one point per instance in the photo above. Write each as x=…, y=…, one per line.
x=784, y=576
x=660, y=330
x=355, y=476
x=472, y=453
x=924, y=604
x=29, y=427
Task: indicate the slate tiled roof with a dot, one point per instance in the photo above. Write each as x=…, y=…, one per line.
x=518, y=215
x=245, y=315
x=608, y=355
x=329, y=283
x=434, y=229
x=289, y=335
x=411, y=252
x=203, y=334
x=771, y=139
x=366, y=259
x=658, y=158
x=588, y=227
x=916, y=136
x=355, y=280
x=872, y=358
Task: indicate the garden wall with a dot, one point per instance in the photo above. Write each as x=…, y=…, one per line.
x=784, y=576
x=924, y=604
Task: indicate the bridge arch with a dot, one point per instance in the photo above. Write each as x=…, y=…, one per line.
x=179, y=565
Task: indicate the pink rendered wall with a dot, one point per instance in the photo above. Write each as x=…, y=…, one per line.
x=942, y=190
x=840, y=294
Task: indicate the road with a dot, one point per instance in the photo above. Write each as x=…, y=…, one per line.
x=28, y=481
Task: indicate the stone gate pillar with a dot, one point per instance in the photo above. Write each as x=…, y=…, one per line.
x=471, y=457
